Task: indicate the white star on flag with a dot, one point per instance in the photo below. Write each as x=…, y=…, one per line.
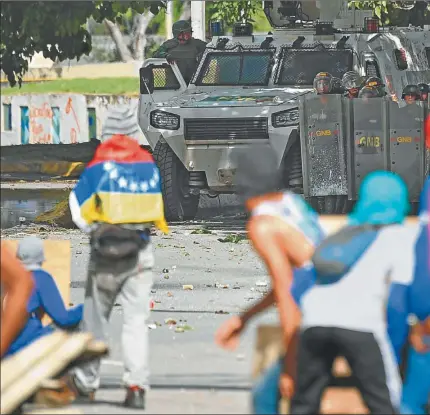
x=144, y=186
x=122, y=182
x=113, y=174
x=108, y=166
x=133, y=186
x=152, y=183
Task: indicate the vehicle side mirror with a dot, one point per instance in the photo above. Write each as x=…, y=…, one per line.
x=146, y=80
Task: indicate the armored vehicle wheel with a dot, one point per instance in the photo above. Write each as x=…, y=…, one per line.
x=179, y=204
x=331, y=205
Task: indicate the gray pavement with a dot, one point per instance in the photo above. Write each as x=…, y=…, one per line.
x=189, y=373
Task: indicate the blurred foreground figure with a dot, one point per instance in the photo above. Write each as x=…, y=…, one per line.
x=344, y=312
x=284, y=231
x=117, y=199
x=17, y=285
x=416, y=390
x=45, y=298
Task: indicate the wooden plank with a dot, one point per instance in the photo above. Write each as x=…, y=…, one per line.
x=13, y=367
x=58, y=263
x=46, y=368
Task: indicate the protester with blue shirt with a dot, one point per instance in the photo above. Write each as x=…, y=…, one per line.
x=45, y=299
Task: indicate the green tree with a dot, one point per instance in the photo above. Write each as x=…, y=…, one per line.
x=399, y=13
x=57, y=29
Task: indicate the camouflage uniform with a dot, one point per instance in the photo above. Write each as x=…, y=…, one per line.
x=186, y=55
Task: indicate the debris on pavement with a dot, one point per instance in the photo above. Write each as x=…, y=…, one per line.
x=169, y=294
x=224, y=286
x=165, y=271
x=181, y=329
x=221, y=312
x=201, y=231
x=152, y=326
x=233, y=238
x=188, y=287
x=166, y=277
x=261, y=283
x=170, y=321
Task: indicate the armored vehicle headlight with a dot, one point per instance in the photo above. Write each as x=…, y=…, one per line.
x=164, y=120
x=285, y=118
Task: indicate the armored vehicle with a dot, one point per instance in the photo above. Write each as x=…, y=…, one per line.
x=258, y=89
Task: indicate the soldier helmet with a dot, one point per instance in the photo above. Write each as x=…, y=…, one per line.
x=424, y=91
x=323, y=82
x=352, y=80
x=336, y=86
x=369, y=92
x=181, y=26
x=411, y=90
x=374, y=82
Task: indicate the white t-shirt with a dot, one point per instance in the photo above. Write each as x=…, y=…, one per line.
x=358, y=301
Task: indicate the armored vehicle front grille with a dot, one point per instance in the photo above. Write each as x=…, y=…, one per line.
x=226, y=129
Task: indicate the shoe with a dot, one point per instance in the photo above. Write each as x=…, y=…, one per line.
x=79, y=394
x=135, y=398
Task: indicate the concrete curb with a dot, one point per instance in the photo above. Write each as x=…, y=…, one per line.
x=65, y=169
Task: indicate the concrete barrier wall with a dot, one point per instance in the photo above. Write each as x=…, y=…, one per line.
x=59, y=118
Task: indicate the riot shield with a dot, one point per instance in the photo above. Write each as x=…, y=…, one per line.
x=407, y=145
x=322, y=135
x=368, y=143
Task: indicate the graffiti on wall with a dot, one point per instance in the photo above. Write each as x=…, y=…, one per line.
x=40, y=124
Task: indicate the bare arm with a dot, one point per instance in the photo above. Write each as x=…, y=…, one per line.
x=267, y=301
x=18, y=285
x=269, y=245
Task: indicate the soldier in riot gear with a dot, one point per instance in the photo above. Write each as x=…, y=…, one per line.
x=376, y=83
x=336, y=86
x=352, y=83
x=323, y=83
x=369, y=92
x=183, y=49
x=424, y=91
x=411, y=94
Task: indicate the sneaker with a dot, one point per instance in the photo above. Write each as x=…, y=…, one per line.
x=135, y=397
x=79, y=394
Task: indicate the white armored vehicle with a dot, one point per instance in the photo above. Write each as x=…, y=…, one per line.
x=258, y=89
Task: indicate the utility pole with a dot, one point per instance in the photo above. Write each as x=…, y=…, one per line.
x=169, y=19
x=198, y=20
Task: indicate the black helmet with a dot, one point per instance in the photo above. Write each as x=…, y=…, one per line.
x=321, y=80
x=351, y=80
x=374, y=82
x=369, y=92
x=336, y=86
x=411, y=90
x=424, y=91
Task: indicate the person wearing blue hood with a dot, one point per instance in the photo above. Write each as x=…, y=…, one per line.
x=345, y=312
x=45, y=298
x=416, y=389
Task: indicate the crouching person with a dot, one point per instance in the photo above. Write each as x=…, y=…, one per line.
x=45, y=298
x=117, y=199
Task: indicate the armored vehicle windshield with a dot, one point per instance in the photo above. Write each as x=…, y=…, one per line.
x=236, y=68
x=298, y=67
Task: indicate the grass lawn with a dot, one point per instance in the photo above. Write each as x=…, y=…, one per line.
x=100, y=86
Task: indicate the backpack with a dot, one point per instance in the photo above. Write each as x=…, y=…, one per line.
x=338, y=253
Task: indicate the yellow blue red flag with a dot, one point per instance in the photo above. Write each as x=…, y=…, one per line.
x=121, y=185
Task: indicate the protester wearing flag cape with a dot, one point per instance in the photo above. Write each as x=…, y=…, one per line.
x=117, y=199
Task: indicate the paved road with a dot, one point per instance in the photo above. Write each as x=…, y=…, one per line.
x=189, y=373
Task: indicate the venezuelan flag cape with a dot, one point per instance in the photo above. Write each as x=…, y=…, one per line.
x=121, y=185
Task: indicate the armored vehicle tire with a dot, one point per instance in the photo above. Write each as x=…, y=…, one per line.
x=331, y=205
x=179, y=204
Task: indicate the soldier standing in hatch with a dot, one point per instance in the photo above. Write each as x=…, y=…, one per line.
x=183, y=49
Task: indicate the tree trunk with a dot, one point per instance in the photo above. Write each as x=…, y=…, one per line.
x=117, y=37
x=139, y=39
x=186, y=11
